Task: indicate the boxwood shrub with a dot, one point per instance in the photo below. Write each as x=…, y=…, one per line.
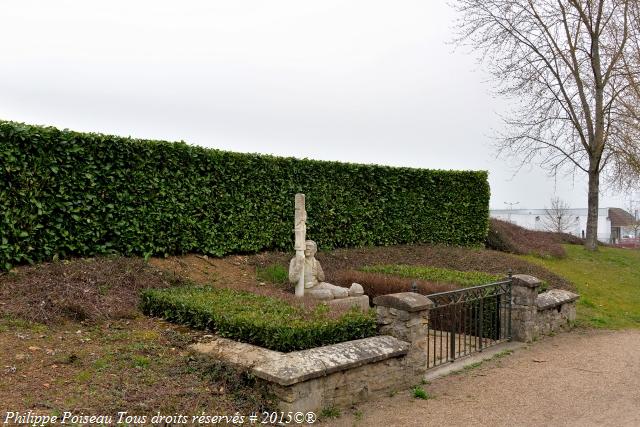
x=256, y=319
x=69, y=193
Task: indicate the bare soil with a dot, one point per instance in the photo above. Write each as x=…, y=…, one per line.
x=72, y=339
x=239, y=271
x=582, y=378
x=83, y=289
x=138, y=365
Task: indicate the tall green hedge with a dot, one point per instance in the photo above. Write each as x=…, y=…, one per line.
x=65, y=192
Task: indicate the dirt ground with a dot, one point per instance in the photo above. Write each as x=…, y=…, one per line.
x=72, y=339
x=583, y=378
x=139, y=365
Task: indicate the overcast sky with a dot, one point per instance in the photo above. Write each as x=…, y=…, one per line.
x=357, y=81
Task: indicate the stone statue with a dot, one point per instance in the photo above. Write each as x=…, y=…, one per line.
x=306, y=272
x=310, y=270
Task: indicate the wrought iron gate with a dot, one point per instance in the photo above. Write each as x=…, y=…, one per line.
x=468, y=320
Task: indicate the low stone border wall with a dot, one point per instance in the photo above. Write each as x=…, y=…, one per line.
x=310, y=380
x=535, y=314
x=351, y=372
x=341, y=374
x=556, y=311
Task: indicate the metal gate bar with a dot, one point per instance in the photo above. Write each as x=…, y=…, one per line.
x=466, y=321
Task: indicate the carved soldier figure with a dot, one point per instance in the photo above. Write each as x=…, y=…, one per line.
x=305, y=270
x=314, y=282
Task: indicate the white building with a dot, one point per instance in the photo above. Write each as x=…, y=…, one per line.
x=613, y=223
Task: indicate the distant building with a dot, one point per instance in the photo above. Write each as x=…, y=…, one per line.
x=614, y=224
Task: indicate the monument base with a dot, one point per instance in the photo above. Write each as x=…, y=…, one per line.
x=361, y=302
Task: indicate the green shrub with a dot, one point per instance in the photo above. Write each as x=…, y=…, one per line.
x=330, y=412
x=273, y=274
x=67, y=193
x=435, y=274
x=256, y=319
x=419, y=393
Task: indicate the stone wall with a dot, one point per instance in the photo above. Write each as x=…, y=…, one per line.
x=535, y=314
x=524, y=292
x=344, y=388
x=347, y=373
x=403, y=315
x=356, y=370
x=556, y=310
x=341, y=374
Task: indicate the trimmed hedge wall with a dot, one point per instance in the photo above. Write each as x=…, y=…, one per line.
x=256, y=319
x=65, y=192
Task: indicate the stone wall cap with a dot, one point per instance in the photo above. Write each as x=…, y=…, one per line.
x=298, y=366
x=406, y=301
x=554, y=298
x=526, y=280
x=238, y=354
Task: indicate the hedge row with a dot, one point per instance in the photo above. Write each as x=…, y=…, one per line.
x=65, y=192
x=256, y=319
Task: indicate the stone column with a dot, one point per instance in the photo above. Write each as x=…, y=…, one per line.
x=405, y=316
x=524, y=293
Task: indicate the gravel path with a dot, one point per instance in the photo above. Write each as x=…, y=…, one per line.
x=583, y=378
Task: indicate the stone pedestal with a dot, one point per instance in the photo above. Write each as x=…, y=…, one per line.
x=362, y=302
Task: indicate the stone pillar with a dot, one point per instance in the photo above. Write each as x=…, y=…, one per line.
x=524, y=293
x=405, y=316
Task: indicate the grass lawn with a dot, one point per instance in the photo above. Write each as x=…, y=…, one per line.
x=608, y=282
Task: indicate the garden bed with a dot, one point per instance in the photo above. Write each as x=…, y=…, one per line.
x=89, y=330
x=448, y=257
x=257, y=319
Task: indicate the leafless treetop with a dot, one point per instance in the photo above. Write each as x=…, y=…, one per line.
x=573, y=67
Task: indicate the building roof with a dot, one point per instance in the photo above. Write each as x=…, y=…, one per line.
x=571, y=211
x=620, y=217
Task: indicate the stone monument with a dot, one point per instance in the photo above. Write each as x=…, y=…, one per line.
x=306, y=272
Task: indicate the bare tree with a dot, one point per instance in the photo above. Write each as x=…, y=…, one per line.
x=557, y=218
x=572, y=67
x=635, y=224
x=629, y=170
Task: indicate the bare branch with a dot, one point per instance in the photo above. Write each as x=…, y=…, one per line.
x=574, y=68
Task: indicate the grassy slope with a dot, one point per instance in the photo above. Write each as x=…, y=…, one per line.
x=608, y=282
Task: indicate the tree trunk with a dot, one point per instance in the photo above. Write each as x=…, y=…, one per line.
x=591, y=241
